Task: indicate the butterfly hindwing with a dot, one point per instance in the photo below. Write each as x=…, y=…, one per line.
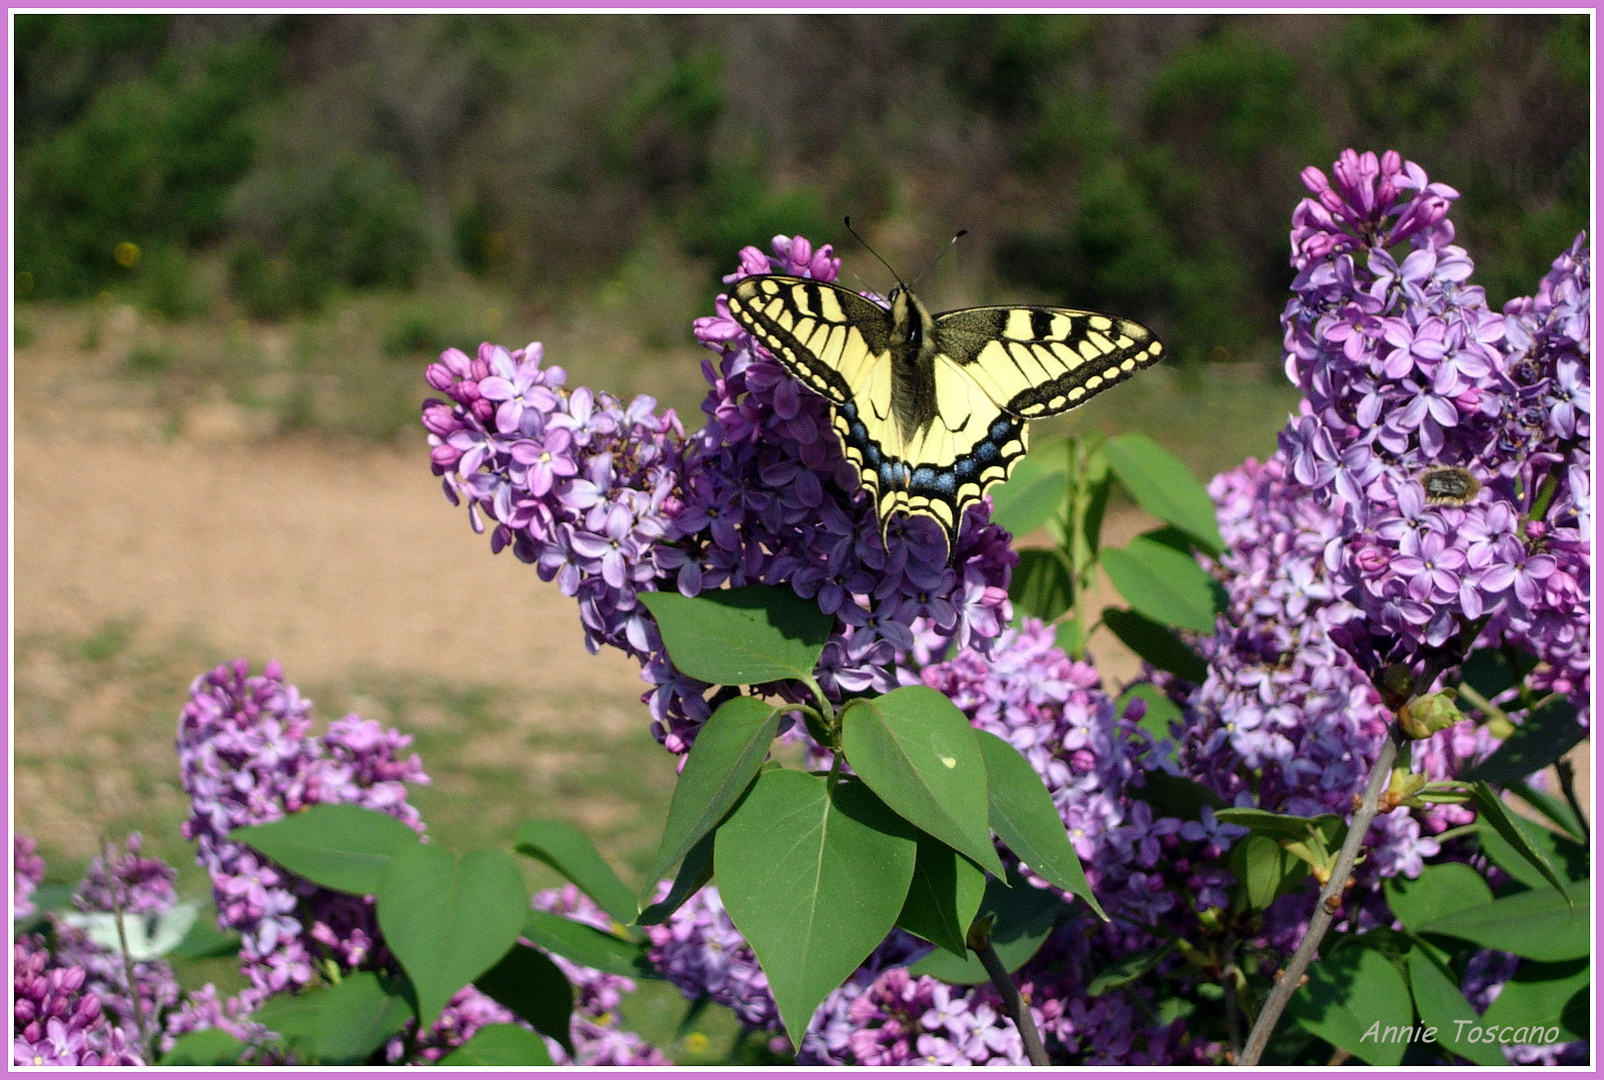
x=932, y=410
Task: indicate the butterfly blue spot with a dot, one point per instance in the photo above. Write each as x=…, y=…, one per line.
x=1000, y=428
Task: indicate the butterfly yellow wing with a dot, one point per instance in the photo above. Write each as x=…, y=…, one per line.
x=933, y=411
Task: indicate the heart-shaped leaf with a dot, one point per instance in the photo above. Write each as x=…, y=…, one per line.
x=1437, y=893
x=355, y=1017
x=726, y=755
x=449, y=920
x=943, y=896
x=336, y=845
x=527, y=982
x=499, y=1046
x=569, y=851
x=1023, y=815
x=208, y=1046
x=813, y=877
x=1350, y=1000
x=737, y=637
x=915, y=748
x=1029, y=497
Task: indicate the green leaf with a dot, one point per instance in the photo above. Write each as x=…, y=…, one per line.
x=449, y=920
x=527, y=982
x=1487, y=671
x=355, y=1017
x=726, y=755
x=738, y=637
x=586, y=945
x=208, y=1046
x=1284, y=826
x=1439, y=891
x=1442, y=1006
x=1495, y=814
x=1176, y=796
x=1024, y=918
x=1264, y=869
x=1024, y=817
x=1544, y=737
x=1164, y=487
x=336, y=845
x=1350, y=1001
x=569, y=851
x=1539, y=924
x=499, y=1045
x=1156, y=643
x=293, y=1018
x=1569, y=859
x=916, y=750
x=943, y=896
x=813, y=877
x=695, y=871
x=1158, y=714
x=1127, y=969
x=1042, y=584
x=1537, y=996
x=1164, y=584
x=1557, y=810
x=1025, y=501
x=1069, y=636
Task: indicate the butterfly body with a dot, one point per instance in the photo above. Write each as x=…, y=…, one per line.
x=932, y=409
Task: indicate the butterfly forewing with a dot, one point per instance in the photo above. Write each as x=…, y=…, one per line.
x=828, y=337
x=1040, y=361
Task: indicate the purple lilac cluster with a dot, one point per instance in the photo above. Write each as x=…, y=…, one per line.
x=247, y=756
x=579, y=484
x=1450, y=442
x=27, y=871
x=901, y=1019
x=612, y=501
x=56, y=1020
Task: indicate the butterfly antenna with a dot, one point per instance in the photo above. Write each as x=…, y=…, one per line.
x=876, y=254
x=939, y=257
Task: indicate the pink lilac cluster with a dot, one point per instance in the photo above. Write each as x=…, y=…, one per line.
x=579, y=484
x=614, y=501
x=597, y=1037
x=246, y=757
x=27, y=871
x=56, y=1019
x=1450, y=442
x=136, y=885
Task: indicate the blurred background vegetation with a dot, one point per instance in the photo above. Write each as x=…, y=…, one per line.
x=439, y=179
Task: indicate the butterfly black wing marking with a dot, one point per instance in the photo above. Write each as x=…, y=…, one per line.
x=933, y=416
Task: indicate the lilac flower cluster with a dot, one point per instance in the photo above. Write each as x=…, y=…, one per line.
x=578, y=483
x=898, y=1019
x=612, y=501
x=1450, y=442
x=246, y=757
x=56, y=1020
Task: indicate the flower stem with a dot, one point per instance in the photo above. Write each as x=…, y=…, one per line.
x=1016, y=1009
x=1325, y=910
x=115, y=886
